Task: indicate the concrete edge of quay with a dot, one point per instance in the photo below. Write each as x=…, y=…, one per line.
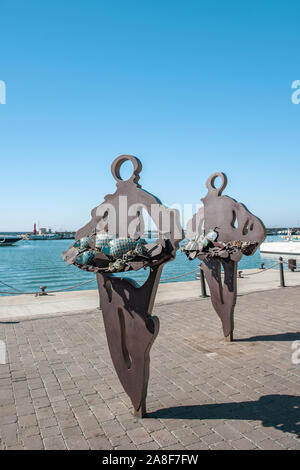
x=28, y=307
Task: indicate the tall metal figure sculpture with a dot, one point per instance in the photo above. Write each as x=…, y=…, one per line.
x=112, y=243
x=219, y=234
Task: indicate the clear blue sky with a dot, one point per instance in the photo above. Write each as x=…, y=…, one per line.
x=191, y=87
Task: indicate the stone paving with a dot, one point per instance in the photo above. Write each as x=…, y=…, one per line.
x=59, y=389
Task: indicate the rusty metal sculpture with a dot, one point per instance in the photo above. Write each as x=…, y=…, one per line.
x=126, y=306
x=230, y=231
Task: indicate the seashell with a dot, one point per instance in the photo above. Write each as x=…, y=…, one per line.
x=191, y=246
x=204, y=242
x=200, y=246
x=211, y=236
x=118, y=265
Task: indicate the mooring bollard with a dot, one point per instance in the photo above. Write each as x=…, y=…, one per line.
x=262, y=266
x=282, y=284
x=43, y=291
x=203, y=285
x=292, y=264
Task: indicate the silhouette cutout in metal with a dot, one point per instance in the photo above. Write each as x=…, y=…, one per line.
x=127, y=307
x=237, y=232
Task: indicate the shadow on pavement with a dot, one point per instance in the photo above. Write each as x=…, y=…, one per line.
x=279, y=337
x=279, y=411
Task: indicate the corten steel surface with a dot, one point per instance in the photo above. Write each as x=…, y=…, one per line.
x=126, y=306
x=232, y=221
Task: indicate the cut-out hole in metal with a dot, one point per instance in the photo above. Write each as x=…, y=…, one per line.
x=126, y=355
x=126, y=170
x=234, y=220
x=108, y=289
x=246, y=229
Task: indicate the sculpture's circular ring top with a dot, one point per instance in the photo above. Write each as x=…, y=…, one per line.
x=118, y=162
x=210, y=183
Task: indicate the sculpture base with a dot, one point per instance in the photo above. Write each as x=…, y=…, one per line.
x=141, y=412
x=229, y=338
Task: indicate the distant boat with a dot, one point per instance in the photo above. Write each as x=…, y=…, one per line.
x=44, y=236
x=289, y=246
x=8, y=240
x=48, y=236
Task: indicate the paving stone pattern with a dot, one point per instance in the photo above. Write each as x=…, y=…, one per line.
x=60, y=391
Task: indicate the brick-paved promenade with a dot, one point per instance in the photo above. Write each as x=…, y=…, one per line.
x=59, y=389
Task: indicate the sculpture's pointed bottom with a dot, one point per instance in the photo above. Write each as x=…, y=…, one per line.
x=229, y=338
x=141, y=412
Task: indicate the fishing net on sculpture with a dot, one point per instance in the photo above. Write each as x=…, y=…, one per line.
x=219, y=234
x=102, y=252
x=113, y=242
x=207, y=246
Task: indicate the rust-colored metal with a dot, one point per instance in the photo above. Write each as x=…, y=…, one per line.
x=233, y=222
x=130, y=331
x=127, y=307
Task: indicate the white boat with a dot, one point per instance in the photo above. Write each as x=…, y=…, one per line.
x=288, y=246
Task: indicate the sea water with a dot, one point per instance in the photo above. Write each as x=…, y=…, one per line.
x=29, y=264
